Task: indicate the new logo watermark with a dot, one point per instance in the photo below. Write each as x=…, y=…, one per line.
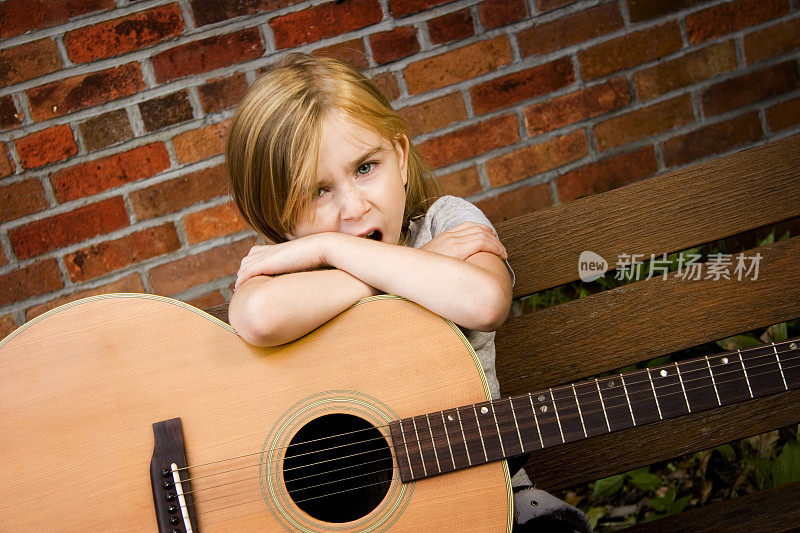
x=685, y=266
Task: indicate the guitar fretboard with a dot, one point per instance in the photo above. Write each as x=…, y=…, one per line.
x=444, y=441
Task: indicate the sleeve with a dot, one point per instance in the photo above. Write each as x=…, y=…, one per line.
x=453, y=211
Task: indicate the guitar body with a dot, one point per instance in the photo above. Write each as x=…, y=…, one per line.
x=83, y=385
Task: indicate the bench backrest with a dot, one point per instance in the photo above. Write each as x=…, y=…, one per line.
x=646, y=319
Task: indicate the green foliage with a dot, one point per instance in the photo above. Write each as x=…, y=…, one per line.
x=786, y=468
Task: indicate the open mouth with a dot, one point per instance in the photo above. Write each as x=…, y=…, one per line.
x=374, y=235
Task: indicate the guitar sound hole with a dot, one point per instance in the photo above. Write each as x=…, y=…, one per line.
x=338, y=468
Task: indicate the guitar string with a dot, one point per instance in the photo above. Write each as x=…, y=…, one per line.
x=208, y=511
x=567, y=417
x=368, y=473
x=559, y=389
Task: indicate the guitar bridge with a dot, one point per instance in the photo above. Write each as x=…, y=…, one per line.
x=169, y=478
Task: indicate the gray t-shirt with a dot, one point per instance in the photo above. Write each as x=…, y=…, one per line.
x=446, y=213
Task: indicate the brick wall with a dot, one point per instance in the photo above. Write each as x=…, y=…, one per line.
x=113, y=115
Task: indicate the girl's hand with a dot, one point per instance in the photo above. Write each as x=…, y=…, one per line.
x=466, y=239
x=297, y=255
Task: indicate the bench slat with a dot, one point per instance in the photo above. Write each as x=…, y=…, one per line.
x=637, y=322
x=577, y=462
x=666, y=213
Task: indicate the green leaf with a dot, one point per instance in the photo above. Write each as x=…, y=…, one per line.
x=738, y=342
x=787, y=466
x=609, y=485
x=595, y=514
x=769, y=239
x=726, y=451
x=662, y=503
x=644, y=480
x=679, y=505
x=778, y=332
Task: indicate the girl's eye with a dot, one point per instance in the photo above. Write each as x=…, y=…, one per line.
x=366, y=168
x=319, y=191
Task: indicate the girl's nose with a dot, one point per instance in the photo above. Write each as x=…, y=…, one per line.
x=354, y=205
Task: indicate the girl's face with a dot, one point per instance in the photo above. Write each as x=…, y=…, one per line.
x=361, y=179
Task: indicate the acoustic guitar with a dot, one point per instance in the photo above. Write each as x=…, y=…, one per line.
x=132, y=412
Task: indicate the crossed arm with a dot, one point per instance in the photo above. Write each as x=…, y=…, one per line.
x=284, y=291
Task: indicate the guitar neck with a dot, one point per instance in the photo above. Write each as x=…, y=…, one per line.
x=444, y=441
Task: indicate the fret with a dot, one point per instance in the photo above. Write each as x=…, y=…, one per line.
x=548, y=425
x=449, y=446
x=441, y=443
x=480, y=433
x=490, y=432
x=403, y=460
x=746, y=378
x=466, y=446
x=788, y=358
x=457, y=441
x=683, y=387
x=516, y=425
x=627, y=398
x=580, y=414
x=592, y=412
x=668, y=391
x=615, y=402
x=642, y=397
x=415, y=460
x=499, y=434
x=780, y=366
x=558, y=418
x=433, y=444
x=713, y=381
x=655, y=396
x=568, y=413
x=419, y=445
x=536, y=420
x=510, y=436
x=729, y=379
x=528, y=432
x=699, y=387
x=763, y=370
x=602, y=405
x=469, y=420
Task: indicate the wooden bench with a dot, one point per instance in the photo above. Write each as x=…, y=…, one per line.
x=643, y=320
x=646, y=319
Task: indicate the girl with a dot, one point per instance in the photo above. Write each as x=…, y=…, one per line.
x=322, y=166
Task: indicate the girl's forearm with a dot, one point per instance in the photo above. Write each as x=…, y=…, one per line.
x=268, y=311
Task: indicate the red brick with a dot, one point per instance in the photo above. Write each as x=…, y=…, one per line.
x=577, y=106
x=213, y=222
x=178, y=193
x=729, y=17
x=28, y=61
x=325, y=20
x=104, y=130
x=461, y=183
x=630, y=50
x=458, y=65
x=10, y=116
x=712, y=139
x=470, y=141
x=686, y=70
x=199, y=268
x=105, y=257
x=166, y=111
x=126, y=34
x=46, y=146
x=199, y=144
x=92, y=177
x=394, y=44
x=784, y=115
x=451, y=27
x=514, y=203
x=32, y=280
x=68, y=228
x=569, y=30
x=207, y=300
x=523, y=85
x=496, y=13
x=7, y=326
x=20, y=16
x=773, y=41
x=401, y=8
x=750, y=88
x=3, y=258
x=351, y=52
x=532, y=160
x=386, y=82
x=607, y=174
x=434, y=114
x=640, y=10
x=130, y=283
x=644, y=122
x=7, y=166
x=207, y=54
x=79, y=92
x=222, y=93
x=21, y=198
x=549, y=5
x=210, y=11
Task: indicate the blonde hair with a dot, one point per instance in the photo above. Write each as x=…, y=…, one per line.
x=273, y=145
